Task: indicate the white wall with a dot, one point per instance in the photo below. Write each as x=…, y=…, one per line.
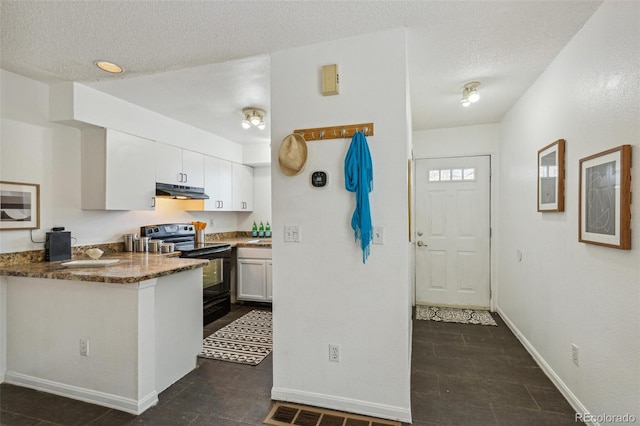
x=563, y=291
x=35, y=150
x=79, y=105
x=322, y=292
x=468, y=141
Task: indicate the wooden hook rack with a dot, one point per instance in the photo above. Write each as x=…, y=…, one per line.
x=335, y=132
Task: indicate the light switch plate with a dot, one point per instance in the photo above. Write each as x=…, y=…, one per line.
x=292, y=234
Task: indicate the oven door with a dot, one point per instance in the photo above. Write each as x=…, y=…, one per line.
x=212, y=273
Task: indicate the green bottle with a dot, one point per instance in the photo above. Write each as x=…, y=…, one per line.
x=267, y=230
x=254, y=230
x=261, y=230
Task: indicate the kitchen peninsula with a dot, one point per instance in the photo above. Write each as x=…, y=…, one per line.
x=116, y=336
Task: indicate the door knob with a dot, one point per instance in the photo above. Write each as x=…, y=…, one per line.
x=421, y=244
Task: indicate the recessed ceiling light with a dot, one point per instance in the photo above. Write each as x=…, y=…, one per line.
x=109, y=67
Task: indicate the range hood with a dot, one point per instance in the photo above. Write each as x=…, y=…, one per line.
x=180, y=192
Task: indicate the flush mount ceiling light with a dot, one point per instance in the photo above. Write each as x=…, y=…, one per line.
x=253, y=117
x=470, y=93
x=109, y=67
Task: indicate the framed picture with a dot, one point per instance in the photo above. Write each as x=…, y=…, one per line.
x=19, y=205
x=551, y=177
x=605, y=198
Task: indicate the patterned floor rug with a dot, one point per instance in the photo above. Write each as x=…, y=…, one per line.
x=462, y=316
x=247, y=340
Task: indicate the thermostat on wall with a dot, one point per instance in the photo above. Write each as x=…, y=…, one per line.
x=319, y=179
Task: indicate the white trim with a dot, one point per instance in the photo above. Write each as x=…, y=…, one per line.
x=349, y=405
x=128, y=405
x=555, y=379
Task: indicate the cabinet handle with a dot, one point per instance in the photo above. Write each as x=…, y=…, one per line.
x=179, y=177
x=153, y=201
x=186, y=177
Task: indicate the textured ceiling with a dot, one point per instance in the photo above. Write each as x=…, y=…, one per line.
x=201, y=62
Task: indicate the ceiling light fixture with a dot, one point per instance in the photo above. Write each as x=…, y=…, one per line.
x=470, y=93
x=109, y=67
x=253, y=117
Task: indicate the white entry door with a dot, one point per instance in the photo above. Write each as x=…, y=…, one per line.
x=453, y=231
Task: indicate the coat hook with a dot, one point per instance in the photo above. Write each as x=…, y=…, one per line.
x=343, y=132
x=365, y=130
x=321, y=134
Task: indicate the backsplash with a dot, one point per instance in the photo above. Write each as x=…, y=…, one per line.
x=31, y=256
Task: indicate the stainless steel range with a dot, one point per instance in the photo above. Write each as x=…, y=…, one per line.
x=216, y=276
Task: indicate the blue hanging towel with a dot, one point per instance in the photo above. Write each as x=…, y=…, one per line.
x=358, y=177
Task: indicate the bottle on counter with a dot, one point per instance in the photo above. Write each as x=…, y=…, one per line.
x=254, y=230
x=261, y=231
x=267, y=230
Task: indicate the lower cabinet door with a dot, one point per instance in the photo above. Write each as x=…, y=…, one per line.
x=252, y=280
x=269, y=281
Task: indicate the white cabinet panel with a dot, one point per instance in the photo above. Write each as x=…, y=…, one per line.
x=242, y=187
x=252, y=280
x=117, y=173
x=269, y=280
x=177, y=166
x=254, y=274
x=168, y=164
x=193, y=168
x=217, y=184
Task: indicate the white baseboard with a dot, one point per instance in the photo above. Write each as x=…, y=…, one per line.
x=557, y=381
x=349, y=405
x=128, y=405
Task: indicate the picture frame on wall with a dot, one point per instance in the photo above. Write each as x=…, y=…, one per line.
x=551, y=177
x=19, y=206
x=604, y=207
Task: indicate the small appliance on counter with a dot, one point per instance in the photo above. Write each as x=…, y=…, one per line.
x=57, y=245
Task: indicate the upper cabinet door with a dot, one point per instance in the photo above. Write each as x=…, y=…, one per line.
x=130, y=173
x=192, y=168
x=242, y=187
x=217, y=184
x=116, y=171
x=169, y=164
x=179, y=166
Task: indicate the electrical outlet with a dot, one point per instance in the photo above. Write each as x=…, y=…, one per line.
x=334, y=353
x=211, y=223
x=575, y=354
x=84, y=347
x=378, y=235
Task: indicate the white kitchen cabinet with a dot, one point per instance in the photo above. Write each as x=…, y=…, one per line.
x=218, y=184
x=242, y=187
x=118, y=171
x=269, y=280
x=254, y=274
x=179, y=166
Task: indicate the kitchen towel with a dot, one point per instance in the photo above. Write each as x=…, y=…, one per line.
x=358, y=178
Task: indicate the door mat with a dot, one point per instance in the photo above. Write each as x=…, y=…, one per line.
x=247, y=340
x=284, y=414
x=462, y=316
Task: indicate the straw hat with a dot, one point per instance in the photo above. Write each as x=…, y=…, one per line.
x=292, y=154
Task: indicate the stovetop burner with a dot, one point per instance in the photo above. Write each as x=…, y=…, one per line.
x=183, y=236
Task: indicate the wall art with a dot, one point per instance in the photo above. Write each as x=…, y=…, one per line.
x=19, y=205
x=551, y=177
x=605, y=198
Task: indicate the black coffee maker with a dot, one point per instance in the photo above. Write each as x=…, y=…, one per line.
x=57, y=245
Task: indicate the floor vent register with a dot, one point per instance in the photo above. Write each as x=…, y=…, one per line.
x=284, y=414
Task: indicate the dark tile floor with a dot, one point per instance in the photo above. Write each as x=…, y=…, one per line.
x=462, y=375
